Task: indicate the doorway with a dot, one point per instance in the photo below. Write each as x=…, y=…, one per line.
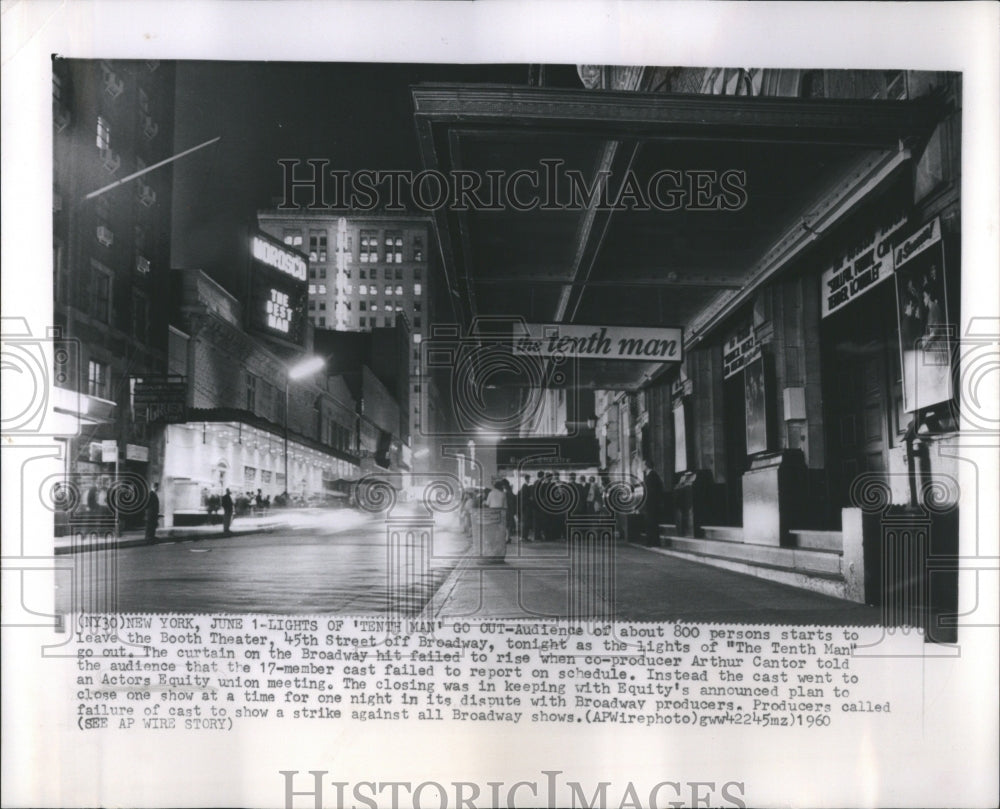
x=861, y=389
x=735, y=435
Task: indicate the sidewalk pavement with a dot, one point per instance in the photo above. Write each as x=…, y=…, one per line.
x=541, y=580
x=278, y=520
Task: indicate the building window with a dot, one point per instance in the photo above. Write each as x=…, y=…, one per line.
x=399, y=274
x=322, y=306
x=322, y=322
x=417, y=338
x=363, y=306
x=322, y=272
x=103, y=133
x=418, y=289
x=98, y=379
x=417, y=306
x=363, y=289
x=100, y=294
x=312, y=305
x=418, y=248
x=416, y=321
x=293, y=238
x=312, y=274
x=369, y=247
x=317, y=246
x=417, y=275
x=363, y=274
x=321, y=289
x=388, y=289
x=399, y=289
x=251, y=392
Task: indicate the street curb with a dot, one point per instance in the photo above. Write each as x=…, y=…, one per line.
x=62, y=550
x=436, y=603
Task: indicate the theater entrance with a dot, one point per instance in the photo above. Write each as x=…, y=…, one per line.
x=862, y=389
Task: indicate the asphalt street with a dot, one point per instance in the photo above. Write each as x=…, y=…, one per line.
x=320, y=567
x=314, y=569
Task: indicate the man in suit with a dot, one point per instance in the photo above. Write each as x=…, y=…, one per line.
x=543, y=530
x=653, y=504
x=526, y=508
x=227, y=512
x=152, y=513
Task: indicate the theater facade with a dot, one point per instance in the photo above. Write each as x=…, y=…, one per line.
x=801, y=231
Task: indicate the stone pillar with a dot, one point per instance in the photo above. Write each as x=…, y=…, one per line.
x=773, y=495
x=852, y=563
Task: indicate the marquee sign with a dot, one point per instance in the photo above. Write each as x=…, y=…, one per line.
x=279, y=258
x=278, y=289
x=574, y=341
x=860, y=270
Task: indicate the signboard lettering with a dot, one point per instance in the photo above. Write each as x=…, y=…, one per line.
x=274, y=256
x=927, y=236
x=278, y=290
x=737, y=349
x=160, y=398
x=860, y=269
x=600, y=342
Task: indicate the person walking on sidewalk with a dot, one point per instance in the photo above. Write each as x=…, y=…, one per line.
x=152, y=513
x=227, y=512
x=653, y=504
x=526, y=509
x=497, y=499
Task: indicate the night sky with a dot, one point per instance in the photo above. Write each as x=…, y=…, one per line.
x=355, y=115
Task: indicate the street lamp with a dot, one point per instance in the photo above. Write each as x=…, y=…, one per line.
x=300, y=370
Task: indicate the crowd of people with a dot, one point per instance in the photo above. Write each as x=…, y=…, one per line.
x=540, y=508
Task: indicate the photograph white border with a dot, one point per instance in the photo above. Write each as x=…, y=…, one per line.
x=946, y=755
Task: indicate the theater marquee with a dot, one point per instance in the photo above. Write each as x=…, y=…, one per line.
x=600, y=342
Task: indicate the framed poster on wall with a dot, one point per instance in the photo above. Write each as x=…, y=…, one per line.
x=755, y=392
x=922, y=312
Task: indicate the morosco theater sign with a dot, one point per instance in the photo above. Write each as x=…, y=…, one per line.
x=600, y=342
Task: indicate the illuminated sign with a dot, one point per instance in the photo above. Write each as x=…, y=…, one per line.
x=278, y=290
x=279, y=314
x=280, y=259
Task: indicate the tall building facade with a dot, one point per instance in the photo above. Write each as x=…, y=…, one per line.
x=365, y=272
x=111, y=257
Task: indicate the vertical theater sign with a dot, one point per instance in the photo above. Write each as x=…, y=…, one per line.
x=278, y=290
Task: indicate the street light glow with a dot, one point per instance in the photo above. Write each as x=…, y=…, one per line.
x=305, y=367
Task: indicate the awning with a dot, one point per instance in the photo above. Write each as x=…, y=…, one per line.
x=743, y=183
